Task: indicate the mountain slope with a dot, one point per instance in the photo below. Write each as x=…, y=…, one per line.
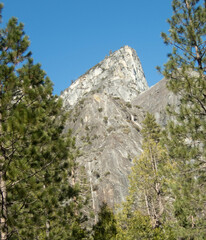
x=107, y=105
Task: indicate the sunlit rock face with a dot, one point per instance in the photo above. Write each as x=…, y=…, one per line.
x=118, y=75
x=107, y=105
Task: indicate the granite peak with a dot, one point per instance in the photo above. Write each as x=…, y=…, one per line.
x=119, y=75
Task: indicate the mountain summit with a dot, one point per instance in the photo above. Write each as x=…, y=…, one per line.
x=119, y=75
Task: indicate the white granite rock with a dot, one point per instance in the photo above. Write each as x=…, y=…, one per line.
x=119, y=75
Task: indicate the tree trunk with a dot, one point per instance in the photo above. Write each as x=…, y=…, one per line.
x=3, y=218
x=147, y=203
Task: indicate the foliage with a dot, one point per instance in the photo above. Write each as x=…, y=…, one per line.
x=105, y=228
x=186, y=140
x=134, y=225
x=143, y=215
x=35, y=156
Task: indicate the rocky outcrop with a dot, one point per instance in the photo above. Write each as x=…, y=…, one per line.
x=107, y=105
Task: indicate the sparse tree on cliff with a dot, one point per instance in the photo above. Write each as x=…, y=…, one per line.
x=35, y=195
x=185, y=69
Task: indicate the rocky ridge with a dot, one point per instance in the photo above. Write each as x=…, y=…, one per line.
x=107, y=105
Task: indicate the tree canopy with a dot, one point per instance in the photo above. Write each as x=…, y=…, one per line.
x=35, y=155
x=186, y=142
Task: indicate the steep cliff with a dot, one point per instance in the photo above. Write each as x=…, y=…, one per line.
x=107, y=105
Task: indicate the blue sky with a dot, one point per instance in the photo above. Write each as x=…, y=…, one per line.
x=70, y=36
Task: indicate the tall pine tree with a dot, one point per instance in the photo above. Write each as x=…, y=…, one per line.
x=35, y=156
x=146, y=210
x=185, y=69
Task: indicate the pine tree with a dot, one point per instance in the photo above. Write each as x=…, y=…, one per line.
x=185, y=69
x=134, y=225
x=146, y=209
x=148, y=177
x=105, y=228
x=35, y=155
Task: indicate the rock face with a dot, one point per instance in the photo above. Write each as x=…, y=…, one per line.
x=155, y=100
x=107, y=105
